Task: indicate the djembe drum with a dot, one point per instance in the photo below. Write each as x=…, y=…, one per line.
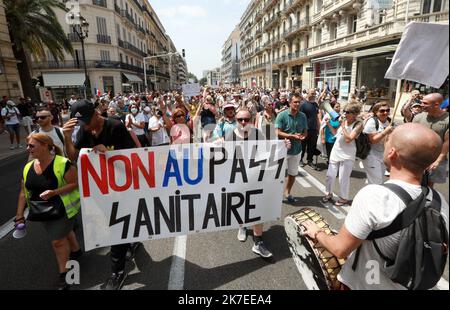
x=318, y=267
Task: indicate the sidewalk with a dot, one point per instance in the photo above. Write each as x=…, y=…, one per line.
x=5, y=152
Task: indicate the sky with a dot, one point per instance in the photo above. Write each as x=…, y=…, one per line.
x=201, y=27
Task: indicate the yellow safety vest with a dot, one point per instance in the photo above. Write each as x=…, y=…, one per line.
x=71, y=200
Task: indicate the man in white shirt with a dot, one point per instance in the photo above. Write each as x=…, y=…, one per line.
x=409, y=150
x=11, y=116
x=44, y=119
x=158, y=130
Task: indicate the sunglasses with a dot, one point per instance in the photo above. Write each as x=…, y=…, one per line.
x=243, y=120
x=385, y=111
x=178, y=116
x=42, y=117
x=31, y=146
x=348, y=112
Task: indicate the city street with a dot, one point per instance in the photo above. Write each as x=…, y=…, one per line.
x=196, y=262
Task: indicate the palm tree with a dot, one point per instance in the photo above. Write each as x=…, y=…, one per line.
x=33, y=26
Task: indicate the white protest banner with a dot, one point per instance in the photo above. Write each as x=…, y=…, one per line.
x=144, y=194
x=422, y=55
x=191, y=90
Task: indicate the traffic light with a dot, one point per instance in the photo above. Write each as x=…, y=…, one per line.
x=183, y=53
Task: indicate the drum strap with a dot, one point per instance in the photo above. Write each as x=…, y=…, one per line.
x=403, y=220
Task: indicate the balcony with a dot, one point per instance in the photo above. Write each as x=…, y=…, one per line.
x=331, y=7
x=259, y=15
x=73, y=37
x=269, y=5
x=131, y=47
x=97, y=64
x=100, y=3
x=292, y=5
x=117, y=8
x=103, y=38
x=258, y=33
x=127, y=16
x=273, y=21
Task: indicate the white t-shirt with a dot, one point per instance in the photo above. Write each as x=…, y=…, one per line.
x=376, y=207
x=139, y=118
x=12, y=113
x=370, y=128
x=52, y=134
x=159, y=137
x=342, y=150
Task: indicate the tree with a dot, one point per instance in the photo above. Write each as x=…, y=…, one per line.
x=193, y=77
x=203, y=81
x=33, y=26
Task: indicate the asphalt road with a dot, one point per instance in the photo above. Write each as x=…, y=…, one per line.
x=213, y=261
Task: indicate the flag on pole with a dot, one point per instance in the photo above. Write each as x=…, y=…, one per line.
x=422, y=55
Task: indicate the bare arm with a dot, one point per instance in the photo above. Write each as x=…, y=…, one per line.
x=349, y=137
x=72, y=152
x=340, y=245
x=21, y=204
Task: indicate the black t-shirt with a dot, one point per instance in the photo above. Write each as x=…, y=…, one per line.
x=311, y=109
x=279, y=105
x=114, y=136
x=207, y=117
x=37, y=184
x=24, y=109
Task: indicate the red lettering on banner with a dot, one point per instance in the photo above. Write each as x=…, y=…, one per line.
x=88, y=170
x=112, y=174
x=137, y=165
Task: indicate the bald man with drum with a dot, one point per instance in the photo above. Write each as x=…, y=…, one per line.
x=409, y=151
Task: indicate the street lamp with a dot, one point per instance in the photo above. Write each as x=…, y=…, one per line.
x=82, y=31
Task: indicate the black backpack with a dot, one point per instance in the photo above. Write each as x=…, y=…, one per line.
x=423, y=249
x=363, y=146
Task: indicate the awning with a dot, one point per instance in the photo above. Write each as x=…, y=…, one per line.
x=358, y=54
x=132, y=78
x=63, y=79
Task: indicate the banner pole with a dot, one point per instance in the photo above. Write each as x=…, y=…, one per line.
x=399, y=98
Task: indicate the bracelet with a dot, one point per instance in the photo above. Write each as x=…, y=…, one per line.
x=19, y=219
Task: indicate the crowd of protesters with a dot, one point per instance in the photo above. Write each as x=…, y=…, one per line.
x=224, y=114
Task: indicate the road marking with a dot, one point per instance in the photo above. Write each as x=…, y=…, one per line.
x=442, y=285
x=176, y=278
x=6, y=228
x=333, y=209
x=303, y=182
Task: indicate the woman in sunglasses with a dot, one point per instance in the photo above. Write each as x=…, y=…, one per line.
x=180, y=131
x=50, y=191
x=343, y=155
x=377, y=129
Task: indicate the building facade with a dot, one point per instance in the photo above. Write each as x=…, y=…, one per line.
x=9, y=75
x=214, y=78
x=121, y=34
x=346, y=43
x=231, y=57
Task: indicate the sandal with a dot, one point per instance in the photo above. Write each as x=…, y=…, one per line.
x=342, y=203
x=327, y=198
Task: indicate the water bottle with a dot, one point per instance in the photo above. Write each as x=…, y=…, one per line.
x=20, y=231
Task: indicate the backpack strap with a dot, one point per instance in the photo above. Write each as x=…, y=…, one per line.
x=413, y=209
x=403, y=220
x=59, y=134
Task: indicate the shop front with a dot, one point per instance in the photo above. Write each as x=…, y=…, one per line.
x=334, y=71
x=64, y=84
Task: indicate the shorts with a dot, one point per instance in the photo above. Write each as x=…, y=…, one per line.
x=26, y=121
x=439, y=176
x=58, y=229
x=292, y=164
x=13, y=129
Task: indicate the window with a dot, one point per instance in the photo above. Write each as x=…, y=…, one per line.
x=104, y=56
x=118, y=31
x=319, y=37
x=352, y=23
x=319, y=5
x=333, y=31
x=101, y=26
x=121, y=57
x=432, y=6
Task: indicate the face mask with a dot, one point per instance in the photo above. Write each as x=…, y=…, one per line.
x=134, y=111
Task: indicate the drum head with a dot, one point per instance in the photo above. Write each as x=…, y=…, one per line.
x=317, y=266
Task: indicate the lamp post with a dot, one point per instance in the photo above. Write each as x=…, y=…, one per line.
x=82, y=31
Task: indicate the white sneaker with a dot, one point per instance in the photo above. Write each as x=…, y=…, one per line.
x=242, y=234
x=11, y=147
x=20, y=146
